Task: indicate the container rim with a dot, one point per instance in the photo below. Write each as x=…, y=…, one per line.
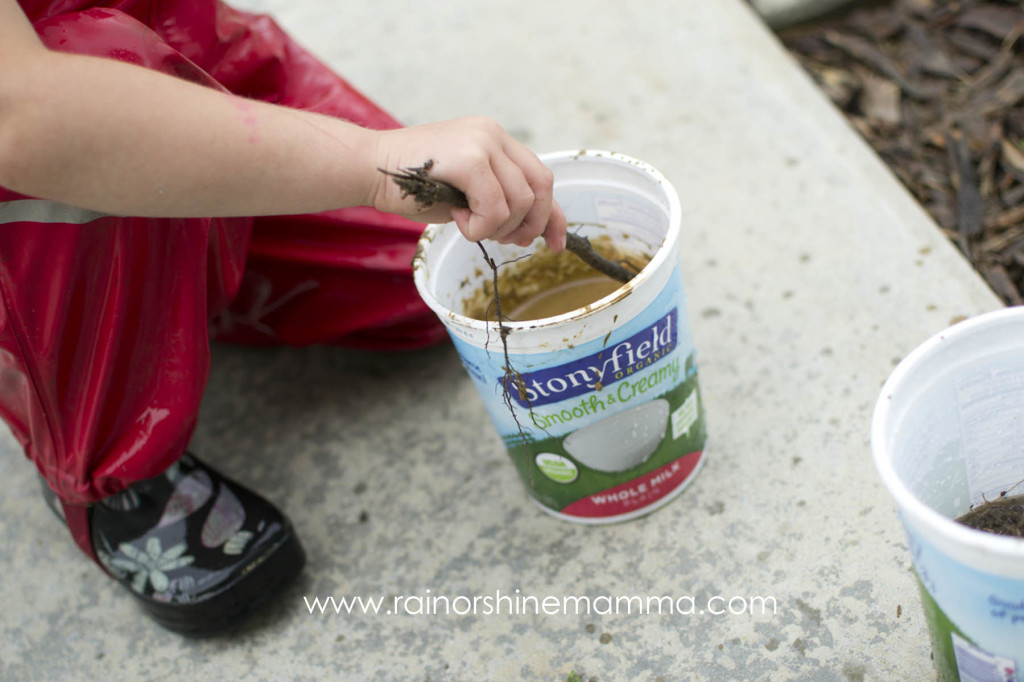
x=881, y=423
x=674, y=219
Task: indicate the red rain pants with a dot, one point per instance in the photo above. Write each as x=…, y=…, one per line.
x=105, y=321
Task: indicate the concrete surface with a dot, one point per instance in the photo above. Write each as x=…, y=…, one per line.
x=810, y=271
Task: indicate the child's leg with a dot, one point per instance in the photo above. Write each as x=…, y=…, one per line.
x=89, y=415
x=103, y=361
x=106, y=318
x=104, y=340
x=339, y=277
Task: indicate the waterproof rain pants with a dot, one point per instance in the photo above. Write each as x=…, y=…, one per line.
x=105, y=321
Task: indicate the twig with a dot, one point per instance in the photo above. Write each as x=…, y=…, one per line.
x=512, y=377
x=427, y=191
x=582, y=247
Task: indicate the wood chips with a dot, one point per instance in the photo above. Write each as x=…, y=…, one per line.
x=937, y=88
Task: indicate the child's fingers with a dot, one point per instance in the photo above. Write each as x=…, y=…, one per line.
x=508, y=188
x=487, y=204
x=545, y=214
x=519, y=196
x=500, y=199
x=554, y=231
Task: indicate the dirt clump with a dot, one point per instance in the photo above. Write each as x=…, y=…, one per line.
x=1004, y=516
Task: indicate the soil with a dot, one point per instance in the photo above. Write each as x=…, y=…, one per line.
x=424, y=190
x=524, y=286
x=936, y=87
x=1004, y=516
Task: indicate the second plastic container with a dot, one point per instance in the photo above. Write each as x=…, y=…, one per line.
x=948, y=434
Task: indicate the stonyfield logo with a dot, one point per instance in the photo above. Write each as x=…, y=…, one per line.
x=596, y=371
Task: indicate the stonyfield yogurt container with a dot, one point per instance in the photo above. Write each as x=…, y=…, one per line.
x=608, y=422
x=947, y=436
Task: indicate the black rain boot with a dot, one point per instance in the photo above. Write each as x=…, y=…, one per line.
x=199, y=551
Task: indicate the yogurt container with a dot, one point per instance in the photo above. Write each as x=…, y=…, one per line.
x=947, y=434
x=609, y=424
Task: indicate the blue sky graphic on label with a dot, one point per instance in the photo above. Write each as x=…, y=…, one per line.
x=643, y=349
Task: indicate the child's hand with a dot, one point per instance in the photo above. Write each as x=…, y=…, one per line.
x=506, y=185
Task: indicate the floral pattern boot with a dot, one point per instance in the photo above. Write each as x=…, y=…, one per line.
x=198, y=550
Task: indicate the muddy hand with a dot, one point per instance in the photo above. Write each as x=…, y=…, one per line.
x=508, y=190
x=427, y=191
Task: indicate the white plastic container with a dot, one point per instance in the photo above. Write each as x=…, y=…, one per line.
x=612, y=416
x=948, y=433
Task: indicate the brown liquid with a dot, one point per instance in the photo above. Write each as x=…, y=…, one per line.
x=548, y=283
x=564, y=298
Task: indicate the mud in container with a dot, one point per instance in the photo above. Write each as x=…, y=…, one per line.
x=947, y=435
x=609, y=424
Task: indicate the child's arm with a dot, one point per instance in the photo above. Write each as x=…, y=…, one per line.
x=121, y=139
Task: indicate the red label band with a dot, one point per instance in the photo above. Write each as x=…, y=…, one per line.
x=638, y=493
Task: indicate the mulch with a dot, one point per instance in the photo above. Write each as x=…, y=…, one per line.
x=937, y=88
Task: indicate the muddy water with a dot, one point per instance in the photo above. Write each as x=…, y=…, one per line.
x=562, y=298
x=548, y=284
